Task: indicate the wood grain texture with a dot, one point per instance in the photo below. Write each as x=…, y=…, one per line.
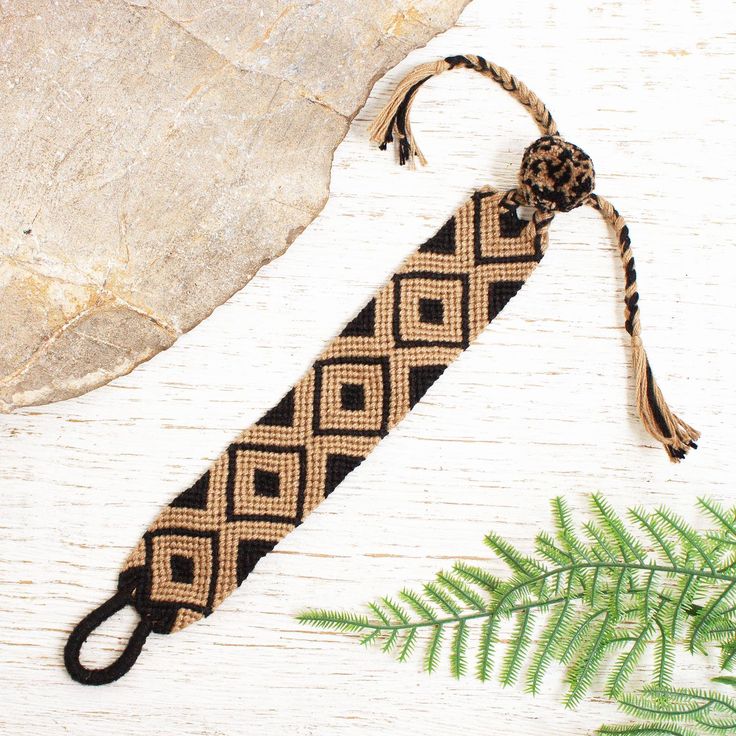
x=541, y=405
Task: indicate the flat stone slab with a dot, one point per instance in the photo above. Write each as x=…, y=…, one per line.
x=156, y=154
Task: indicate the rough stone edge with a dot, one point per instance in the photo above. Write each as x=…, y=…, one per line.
x=40, y=397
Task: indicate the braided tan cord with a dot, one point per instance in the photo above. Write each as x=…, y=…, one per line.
x=393, y=123
x=659, y=420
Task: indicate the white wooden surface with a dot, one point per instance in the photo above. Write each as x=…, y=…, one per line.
x=541, y=405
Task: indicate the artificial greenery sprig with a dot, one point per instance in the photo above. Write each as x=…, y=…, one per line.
x=606, y=591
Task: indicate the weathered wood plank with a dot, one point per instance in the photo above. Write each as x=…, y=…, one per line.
x=542, y=405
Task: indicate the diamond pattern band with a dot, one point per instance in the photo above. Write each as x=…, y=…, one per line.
x=207, y=541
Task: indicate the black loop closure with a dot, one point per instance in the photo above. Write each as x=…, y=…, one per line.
x=86, y=626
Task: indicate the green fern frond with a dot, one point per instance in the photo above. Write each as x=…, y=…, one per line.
x=654, y=530
x=628, y=662
x=421, y=608
x=551, y=552
x=596, y=588
x=664, y=657
x=544, y=656
x=600, y=542
x=380, y=613
x=690, y=538
x=646, y=729
x=725, y=519
x=518, y=647
x=586, y=663
x=668, y=709
x=455, y=586
x=617, y=599
x=725, y=680
x=606, y=591
x=572, y=640
x=407, y=648
x=477, y=576
x=400, y=615
x=488, y=640
x=335, y=620
x=685, y=596
x=566, y=533
x=728, y=560
x=434, y=647
x=728, y=655
x=370, y=638
x=390, y=642
x=707, y=616
x=519, y=563
x=459, y=649
x=618, y=532
x=442, y=599
x=700, y=711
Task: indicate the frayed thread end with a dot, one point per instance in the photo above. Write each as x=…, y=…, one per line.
x=676, y=435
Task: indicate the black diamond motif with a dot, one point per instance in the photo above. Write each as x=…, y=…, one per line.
x=499, y=295
x=282, y=415
x=510, y=224
x=352, y=396
x=364, y=325
x=194, y=497
x=266, y=483
x=249, y=552
x=162, y=614
x=443, y=243
x=421, y=377
x=400, y=279
x=431, y=311
x=244, y=447
x=321, y=366
x=182, y=569
x=337, y=468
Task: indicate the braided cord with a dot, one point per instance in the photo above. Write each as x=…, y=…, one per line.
x=515, y=87
x=393, y=123
x=660, y=421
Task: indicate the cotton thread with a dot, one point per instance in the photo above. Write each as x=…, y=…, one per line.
x=209, y=539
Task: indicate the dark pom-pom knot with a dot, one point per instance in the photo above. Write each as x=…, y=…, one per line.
x=556, y=176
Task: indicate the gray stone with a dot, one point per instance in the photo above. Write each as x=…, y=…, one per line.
x=156, y=154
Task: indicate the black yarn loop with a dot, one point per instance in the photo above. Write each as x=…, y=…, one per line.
x=126, y=659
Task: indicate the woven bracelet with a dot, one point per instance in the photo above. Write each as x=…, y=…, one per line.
x=207, y=540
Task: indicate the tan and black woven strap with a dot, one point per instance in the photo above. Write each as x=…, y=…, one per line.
x=206, y=542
